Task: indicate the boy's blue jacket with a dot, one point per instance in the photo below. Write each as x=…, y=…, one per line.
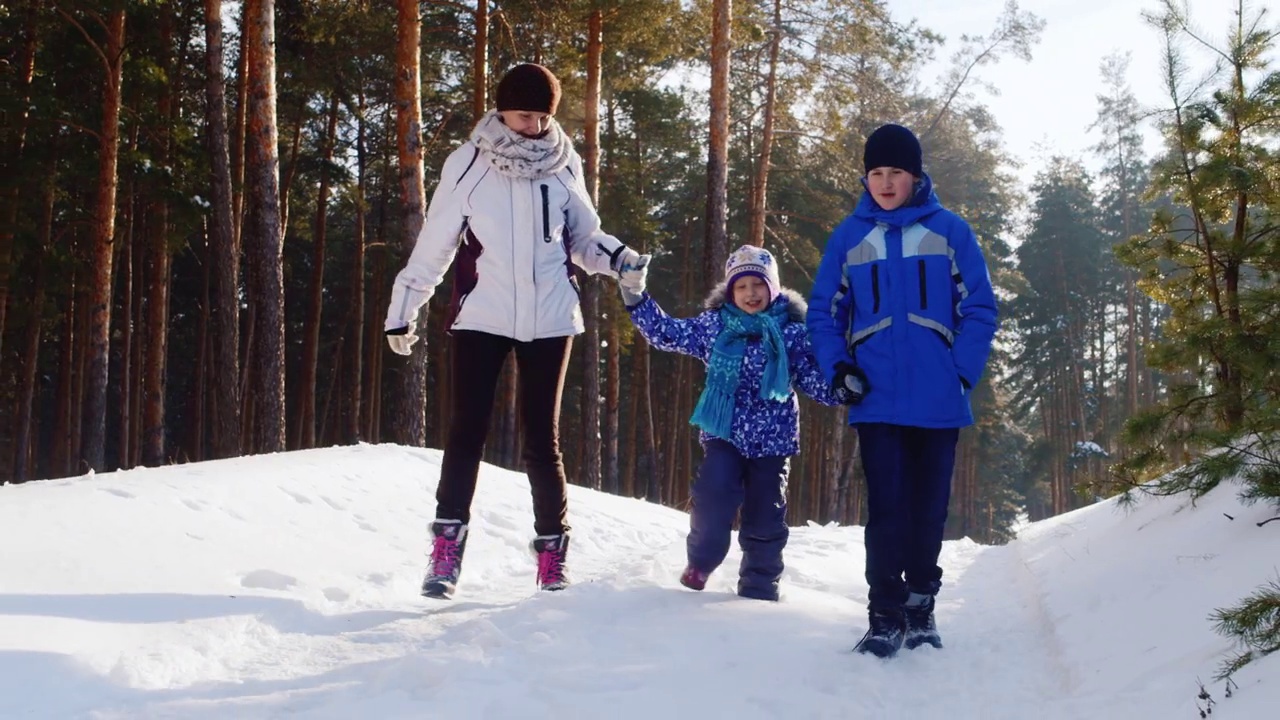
x=906, y=295
x=761, y=428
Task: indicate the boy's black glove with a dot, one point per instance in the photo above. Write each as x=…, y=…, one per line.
x=850, y=384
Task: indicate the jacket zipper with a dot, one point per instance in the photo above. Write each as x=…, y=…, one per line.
x=924, y=292
x=546, y=216
x=875, y=289
x=546, y=237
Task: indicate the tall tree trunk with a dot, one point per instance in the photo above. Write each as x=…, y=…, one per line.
x=102, y=248
x=311, y=329
x=373, y=337
x=615, y=312
x=627, y=485
x=197, y=434
x=760, y=188
x=590, y=472
x=411, y=412
x=263, y=240
x=159, y=267
x=25, y=433
x=715, y=248
x=12, y=155
x=377, y=352
x=353, y=430
x=129, y=297
x=291, y=172
x=238, y=208
x=225, y=249
x=653, y=486
x=480, y=62
x=64, y=424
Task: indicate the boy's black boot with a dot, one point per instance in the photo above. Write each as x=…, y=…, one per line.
x=885, y=635
x=921, y=628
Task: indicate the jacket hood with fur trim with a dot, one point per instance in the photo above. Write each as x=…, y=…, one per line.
x=796, y=304
x=761, y=427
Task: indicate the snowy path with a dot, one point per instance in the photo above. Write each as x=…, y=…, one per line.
x=631, y=641
x=286, y=586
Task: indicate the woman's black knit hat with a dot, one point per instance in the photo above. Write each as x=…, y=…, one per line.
x=893, y=146
x=529, y=87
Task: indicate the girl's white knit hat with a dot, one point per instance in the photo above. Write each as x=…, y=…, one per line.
x=751, y=260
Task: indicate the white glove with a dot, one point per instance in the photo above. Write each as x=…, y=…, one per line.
x=401, y=340
x=625, y=259
x=631, y=280
x=408, y=295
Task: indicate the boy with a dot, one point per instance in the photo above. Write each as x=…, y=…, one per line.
x=901, y=318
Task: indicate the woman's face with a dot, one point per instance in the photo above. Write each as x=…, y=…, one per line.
x=526, y=122
x=750, y=294
x=890, y=186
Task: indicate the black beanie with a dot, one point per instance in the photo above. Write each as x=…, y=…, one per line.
x=893, y=146
x=529, y=87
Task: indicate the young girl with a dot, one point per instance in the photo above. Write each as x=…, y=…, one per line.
x=753, y=339
x=513, y=194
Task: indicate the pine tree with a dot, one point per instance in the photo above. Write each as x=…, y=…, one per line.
x=1212, y=258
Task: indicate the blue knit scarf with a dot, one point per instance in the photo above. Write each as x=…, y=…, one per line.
x=714, y=412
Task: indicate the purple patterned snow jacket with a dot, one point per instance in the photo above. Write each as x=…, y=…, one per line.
x=761, y=428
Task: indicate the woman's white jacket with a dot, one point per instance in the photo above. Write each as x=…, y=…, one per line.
x=514, y=240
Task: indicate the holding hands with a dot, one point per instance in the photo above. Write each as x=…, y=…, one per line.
x=850, y=384
x=632, y=275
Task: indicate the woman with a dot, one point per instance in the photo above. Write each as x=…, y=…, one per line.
x=512, y=210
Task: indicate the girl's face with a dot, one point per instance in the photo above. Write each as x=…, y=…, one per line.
x=750, y=294
x=890, y=186
x=526, y=122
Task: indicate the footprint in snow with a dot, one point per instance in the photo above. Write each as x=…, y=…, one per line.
x=268, y=580
x=117, y=492
x=300, y=499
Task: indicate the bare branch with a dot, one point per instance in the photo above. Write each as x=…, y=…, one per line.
x=450, y=4
x=106, y=63
x=1020, y=29
x=81, y=128
x=787, y=248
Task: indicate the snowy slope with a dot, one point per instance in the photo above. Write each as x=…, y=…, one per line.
x=286, y=585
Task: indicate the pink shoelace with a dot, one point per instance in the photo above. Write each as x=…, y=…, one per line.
x=550, y=568
x=444, y=556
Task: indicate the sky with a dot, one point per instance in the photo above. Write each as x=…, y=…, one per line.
x=286, y=585
x=1046, y=106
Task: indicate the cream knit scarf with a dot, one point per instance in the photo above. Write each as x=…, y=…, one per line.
x=518, y=156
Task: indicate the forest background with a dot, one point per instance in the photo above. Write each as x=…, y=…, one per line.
x=202, y=206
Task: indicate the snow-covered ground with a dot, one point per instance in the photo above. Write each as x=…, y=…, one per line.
x=286, y=585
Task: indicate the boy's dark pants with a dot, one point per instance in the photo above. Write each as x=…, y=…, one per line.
x=908, y=487
x=477, y=362
x=727, y=480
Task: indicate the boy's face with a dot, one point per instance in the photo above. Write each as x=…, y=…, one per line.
x=890, y=187
x=526, y=122
x=750, y=294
